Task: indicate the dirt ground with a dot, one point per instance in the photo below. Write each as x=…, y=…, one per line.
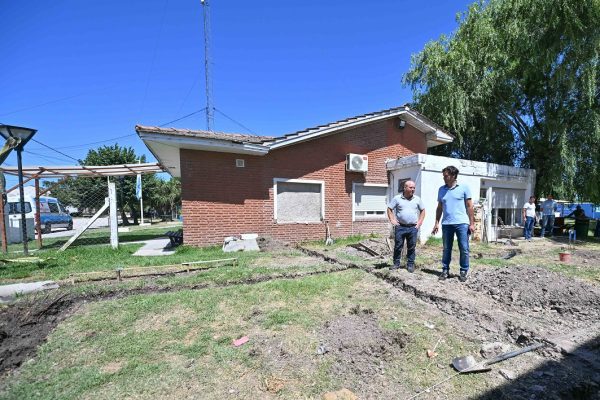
x=519, y=304
x=504, y=304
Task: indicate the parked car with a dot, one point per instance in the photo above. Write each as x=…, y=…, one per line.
x=52, y=213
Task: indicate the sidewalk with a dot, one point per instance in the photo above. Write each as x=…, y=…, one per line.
x=155, y=247
x=8, y=293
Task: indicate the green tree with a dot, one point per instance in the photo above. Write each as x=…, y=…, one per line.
x=91, y=192
x=518, y=83
x=166, y=196
x=125, y=185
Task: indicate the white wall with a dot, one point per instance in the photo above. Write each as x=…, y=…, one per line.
x=426, y=170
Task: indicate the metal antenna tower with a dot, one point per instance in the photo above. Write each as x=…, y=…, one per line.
x=209, y=106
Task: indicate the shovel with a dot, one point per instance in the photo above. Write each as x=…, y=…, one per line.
x=468, y=364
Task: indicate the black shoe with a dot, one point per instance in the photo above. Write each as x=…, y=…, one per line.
x=463, y=276
x=394, y=267
x=443, y=276
x=410, y=268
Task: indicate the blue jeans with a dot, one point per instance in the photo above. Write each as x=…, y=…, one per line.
x=528, y=231
x=462, y=233
x=409, y=234
x=547, y=225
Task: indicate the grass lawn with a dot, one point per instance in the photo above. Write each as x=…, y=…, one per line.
x=97, y=237
x=179, y=345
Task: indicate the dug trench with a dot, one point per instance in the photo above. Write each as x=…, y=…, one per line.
x=26, y=324
x=521, y=305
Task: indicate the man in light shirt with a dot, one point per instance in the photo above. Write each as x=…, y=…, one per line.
x=529, y=218
x=548, y=209
x=406, y=212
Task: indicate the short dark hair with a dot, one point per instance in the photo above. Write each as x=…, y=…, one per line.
x=451, y=170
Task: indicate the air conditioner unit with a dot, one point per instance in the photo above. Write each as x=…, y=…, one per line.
x=357, y=162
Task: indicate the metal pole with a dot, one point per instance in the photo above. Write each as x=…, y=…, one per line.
x=207, y=61
x=22, y=201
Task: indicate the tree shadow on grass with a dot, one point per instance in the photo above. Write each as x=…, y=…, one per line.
x=104, y=240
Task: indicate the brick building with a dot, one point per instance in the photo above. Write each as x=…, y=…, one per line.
x=289, y=187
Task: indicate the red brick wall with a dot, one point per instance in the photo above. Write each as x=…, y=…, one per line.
x=222, y=200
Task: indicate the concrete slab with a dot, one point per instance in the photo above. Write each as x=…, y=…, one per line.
x=232, y=244
x=8, y=293
x=155, y=247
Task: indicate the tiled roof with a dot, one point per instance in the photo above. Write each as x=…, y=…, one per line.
x=231, y=137
x=294, y=137
x=339, y=125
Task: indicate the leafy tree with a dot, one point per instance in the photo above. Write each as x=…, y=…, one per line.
x=166, y=195
x=518, y=83
x=91, y=192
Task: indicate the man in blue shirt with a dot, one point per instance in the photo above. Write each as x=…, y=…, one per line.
x=548, y=209
x=456, y=204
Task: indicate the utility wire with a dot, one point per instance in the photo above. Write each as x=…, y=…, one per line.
x=184, y=117
x=55, y=101
x=132, y=134
x=98, y=142
x=44, y=156
x=59, y=152
x=235, y=122
x=154, y=51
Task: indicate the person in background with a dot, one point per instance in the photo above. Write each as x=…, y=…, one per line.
x=548, y=209
x=577, y=213
x=529, y=218
x=406, y=212
x=456, y=204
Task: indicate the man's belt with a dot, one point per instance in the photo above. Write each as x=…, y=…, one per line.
x=408, y=225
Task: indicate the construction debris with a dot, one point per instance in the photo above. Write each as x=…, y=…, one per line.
x=247, y=242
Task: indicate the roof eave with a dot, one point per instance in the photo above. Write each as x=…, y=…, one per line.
x=438, y=138
x=204, y=144
x=332, y=130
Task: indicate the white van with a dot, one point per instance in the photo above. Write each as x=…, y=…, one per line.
x=52, y=213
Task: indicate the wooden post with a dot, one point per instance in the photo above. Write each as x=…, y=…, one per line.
x=112, y=215
x=38, y=221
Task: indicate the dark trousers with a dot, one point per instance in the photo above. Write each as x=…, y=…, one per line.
x=402, y=233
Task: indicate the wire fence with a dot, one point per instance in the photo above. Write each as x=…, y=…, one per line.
x=77, y=212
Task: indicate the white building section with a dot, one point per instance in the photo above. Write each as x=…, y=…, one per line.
x=501, y=190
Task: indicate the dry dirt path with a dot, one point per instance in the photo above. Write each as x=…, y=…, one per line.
x=520, y=305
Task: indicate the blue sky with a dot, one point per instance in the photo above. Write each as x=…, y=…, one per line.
x=82, y=72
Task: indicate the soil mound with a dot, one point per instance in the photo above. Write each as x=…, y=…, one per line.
x=25, y=325
x=360, y=349
x=537, y=289
x=267, y=243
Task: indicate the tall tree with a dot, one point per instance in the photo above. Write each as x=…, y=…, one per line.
x=166, y=196
x=518, y=83
x=91, y=192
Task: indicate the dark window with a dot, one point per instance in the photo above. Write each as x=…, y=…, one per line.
x=401, y=183
x=53, y=208
x=15, y=207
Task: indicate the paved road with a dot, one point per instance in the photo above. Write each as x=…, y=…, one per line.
x=77, y=224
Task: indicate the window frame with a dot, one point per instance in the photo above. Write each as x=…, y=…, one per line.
x=369, y=217
x=307, y=181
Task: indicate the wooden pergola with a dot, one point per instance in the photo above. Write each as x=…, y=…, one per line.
x=63, y=173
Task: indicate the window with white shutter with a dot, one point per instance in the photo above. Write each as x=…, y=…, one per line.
x=370, y=201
